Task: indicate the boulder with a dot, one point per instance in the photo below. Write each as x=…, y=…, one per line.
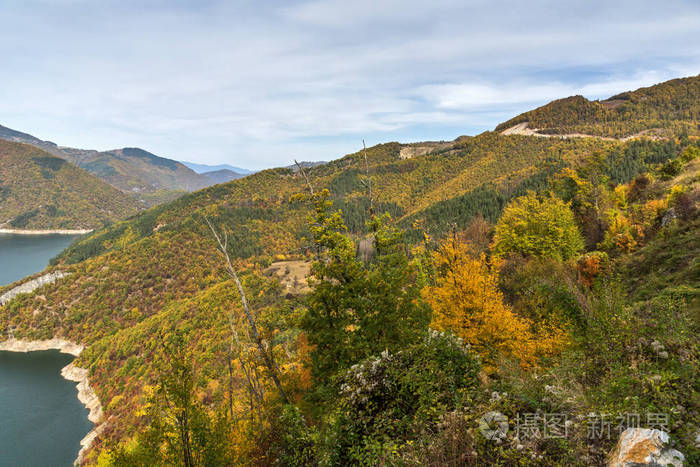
x=640, y=447
x=669, y=216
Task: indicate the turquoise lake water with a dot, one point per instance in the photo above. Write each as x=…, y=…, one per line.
x=41, y=419
x=22, y=255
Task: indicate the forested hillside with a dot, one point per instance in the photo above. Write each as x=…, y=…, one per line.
x=149, y=178
x=41, y=191
x=501, y=274
x=134, y=170
x=672, y=107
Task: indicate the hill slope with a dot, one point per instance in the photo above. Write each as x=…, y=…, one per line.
x=663, y=109
x=41, y=191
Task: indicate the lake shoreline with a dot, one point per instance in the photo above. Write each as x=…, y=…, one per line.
x=46, y=232
x=31, y=285
x=71, y=372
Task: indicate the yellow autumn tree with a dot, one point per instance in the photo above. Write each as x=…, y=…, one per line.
x=466, y=300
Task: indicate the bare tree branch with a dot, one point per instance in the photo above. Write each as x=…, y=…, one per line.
x=303, y=172
x=267, y=357
x=367, y=182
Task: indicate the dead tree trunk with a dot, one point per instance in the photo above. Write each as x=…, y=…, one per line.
x=268, y=358
x=367, y=182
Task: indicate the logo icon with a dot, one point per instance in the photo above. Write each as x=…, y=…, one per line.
x=494, y=426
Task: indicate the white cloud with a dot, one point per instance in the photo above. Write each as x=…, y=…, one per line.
x=481, y=96
x=251, y=82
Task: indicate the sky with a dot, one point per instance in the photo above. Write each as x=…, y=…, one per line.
x=260, y=83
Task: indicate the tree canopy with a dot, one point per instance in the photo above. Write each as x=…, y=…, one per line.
x=538, y=226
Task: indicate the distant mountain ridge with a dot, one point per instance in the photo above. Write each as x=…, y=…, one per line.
x=203, y=168
x=9, y=134
x=222, y=176
x=153, y=179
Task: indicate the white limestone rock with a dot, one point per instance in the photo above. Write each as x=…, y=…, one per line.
x=640, y=447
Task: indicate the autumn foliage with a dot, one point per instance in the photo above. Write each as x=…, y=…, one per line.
x=543, y=227
x=466, y=300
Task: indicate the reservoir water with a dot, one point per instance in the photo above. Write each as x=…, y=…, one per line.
x=22, y=255
x=41, y=419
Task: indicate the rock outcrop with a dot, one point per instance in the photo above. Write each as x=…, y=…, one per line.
x=86, y=395
x=640, y=447
x=31, y=286
x=62, y=345
x=414, y=150
x=46, y=231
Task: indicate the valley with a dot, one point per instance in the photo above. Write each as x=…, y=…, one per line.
x=508, y=264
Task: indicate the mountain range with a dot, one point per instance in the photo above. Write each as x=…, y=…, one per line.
x=204, y=168
x=149, y=178
x=626, y=169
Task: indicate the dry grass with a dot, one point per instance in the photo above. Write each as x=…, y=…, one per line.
x=292, y=275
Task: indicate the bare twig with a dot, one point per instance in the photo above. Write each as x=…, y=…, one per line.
x=303, y=172
x=267, y=357
x=230, y=385
x=253, y=385
x=367, y=182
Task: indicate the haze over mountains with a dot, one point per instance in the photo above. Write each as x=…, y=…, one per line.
x=221, y=173
x=203, y=168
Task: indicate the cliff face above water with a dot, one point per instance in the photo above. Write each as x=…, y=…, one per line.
x=31, y=286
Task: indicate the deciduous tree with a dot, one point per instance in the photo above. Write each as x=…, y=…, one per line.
x=543, y=227
x=466, y=300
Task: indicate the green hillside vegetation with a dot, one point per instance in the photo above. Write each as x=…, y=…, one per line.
x=412, y=190
x=672, y=107
x=40, y=191
x=417, y=323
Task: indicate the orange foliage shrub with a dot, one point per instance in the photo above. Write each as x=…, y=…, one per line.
x=622, y=235
x=590, y=265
